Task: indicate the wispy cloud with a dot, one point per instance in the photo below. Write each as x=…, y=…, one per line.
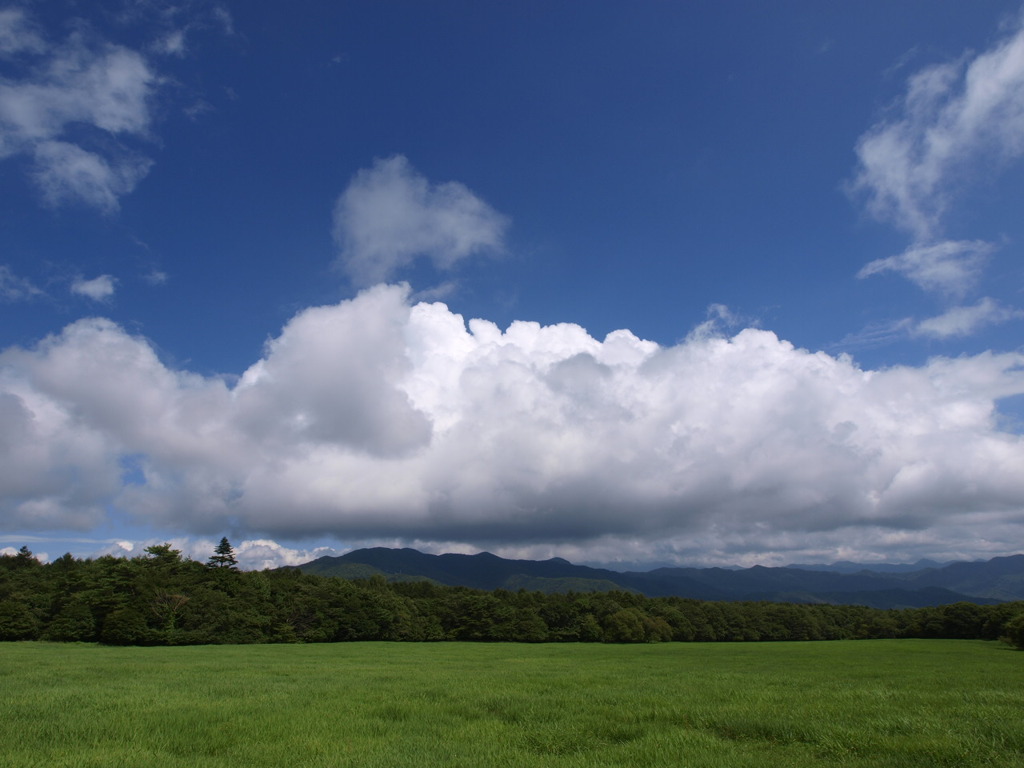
x=954, y=120
x=380, y=419
x=80, y=108
x=14, y=288
x=964, y=321
x=66, y=173
x=949, y=267
x=62, y=88
x=98, y=289
x=876, y=334
x=390, y=215
x=720, y=319
x=177, y=23
x=956, y=123
x=18, y=34
x=172, y=43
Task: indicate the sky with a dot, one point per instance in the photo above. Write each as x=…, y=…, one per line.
x=703, y=283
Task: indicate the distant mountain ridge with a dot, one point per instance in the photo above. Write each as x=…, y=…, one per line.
x=845, y=566
x=997, y=580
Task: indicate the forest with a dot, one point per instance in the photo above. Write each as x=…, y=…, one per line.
x=162, y=598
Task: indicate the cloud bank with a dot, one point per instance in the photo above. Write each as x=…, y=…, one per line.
x=379, y=419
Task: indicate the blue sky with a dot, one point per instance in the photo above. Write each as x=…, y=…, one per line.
x=693, y=283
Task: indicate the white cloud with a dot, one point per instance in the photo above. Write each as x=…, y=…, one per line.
x=377, y=419
x=98, y=289
x=106, y=88
x=257, y=554
x=66, y=173
x=76, y=84
x=390, y=215
x=951, y=267
x=954, y=120
x=963, y=321
x=956, y=123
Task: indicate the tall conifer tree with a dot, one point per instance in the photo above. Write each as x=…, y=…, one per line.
x=223, y=556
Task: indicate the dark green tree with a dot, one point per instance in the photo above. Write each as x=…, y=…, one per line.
x=17, y=621
x=1014, y=631
x=74, y=623
x=223, y=556
x=25, y=559
x=127, y=626
x=163, y=556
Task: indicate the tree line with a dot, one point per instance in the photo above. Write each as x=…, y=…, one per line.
x=162, y=598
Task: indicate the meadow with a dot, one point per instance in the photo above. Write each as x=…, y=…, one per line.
x=897, y=703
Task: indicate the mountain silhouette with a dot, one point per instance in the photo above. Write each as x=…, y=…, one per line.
x=996, y=580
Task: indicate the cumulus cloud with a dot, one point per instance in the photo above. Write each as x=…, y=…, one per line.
x=257, y=554
x=390, y=215
x=379, y=419
x=98, y=289
x=69, y=110
x=963, y=321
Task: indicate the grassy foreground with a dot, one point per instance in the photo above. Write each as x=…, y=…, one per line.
x=870, y=703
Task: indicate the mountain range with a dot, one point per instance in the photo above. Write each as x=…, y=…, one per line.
x=997, y=580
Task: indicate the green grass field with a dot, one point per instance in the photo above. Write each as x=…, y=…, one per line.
x=367, y=705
